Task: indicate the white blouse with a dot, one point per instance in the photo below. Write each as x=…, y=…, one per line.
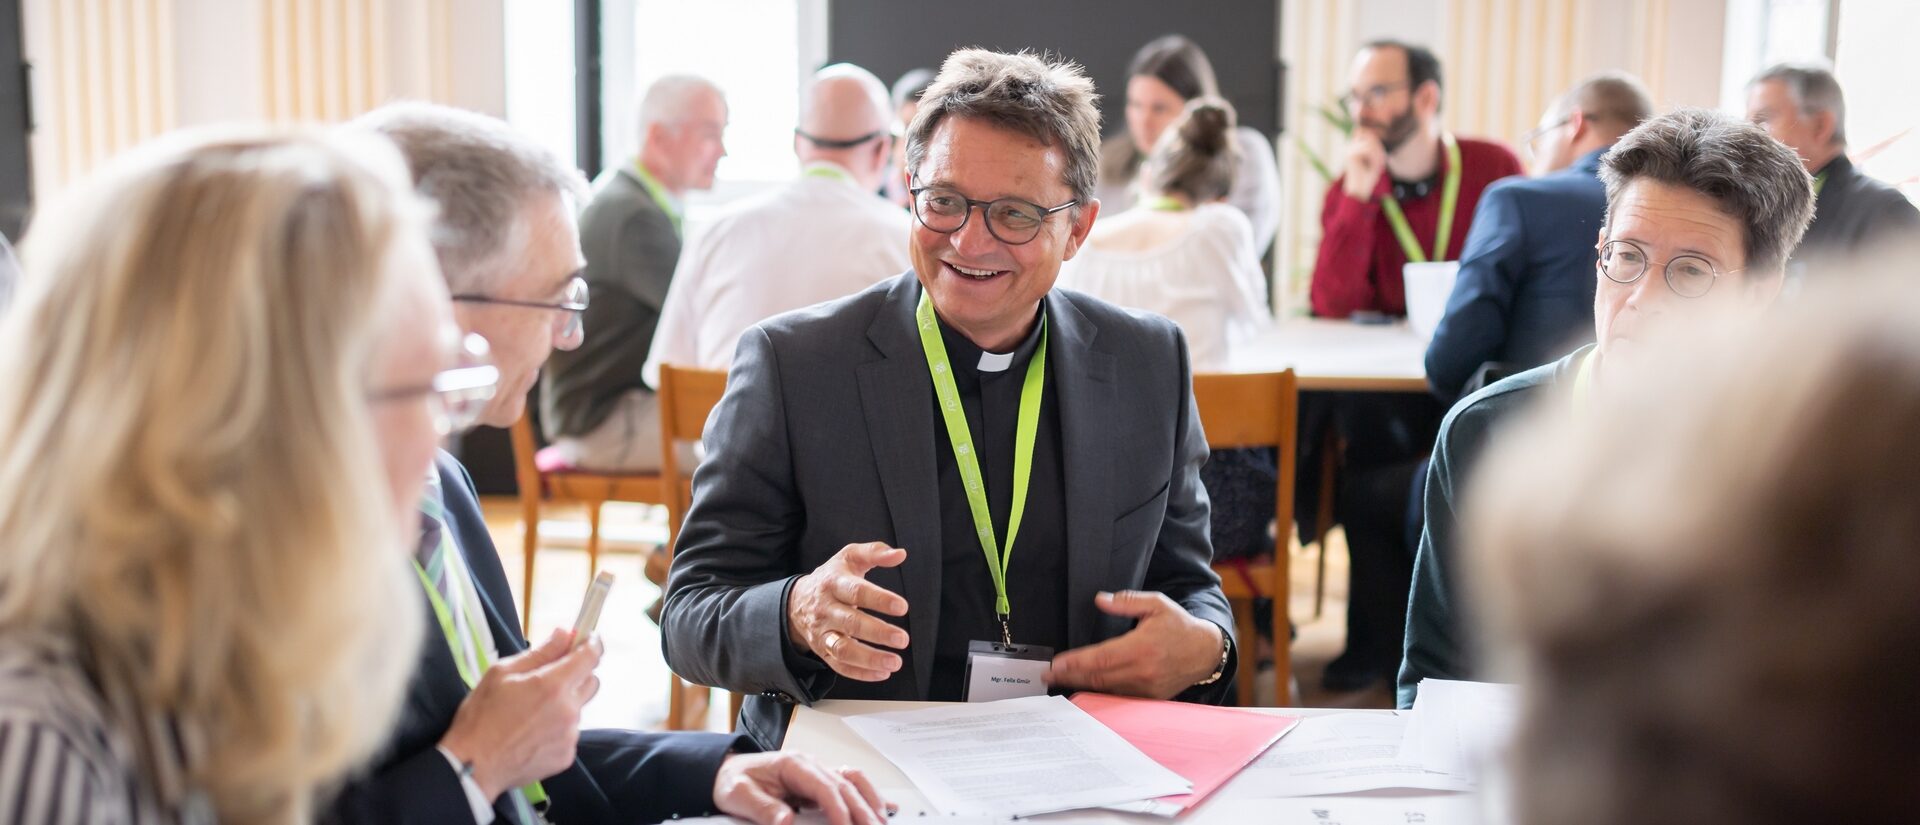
x=1206, y=277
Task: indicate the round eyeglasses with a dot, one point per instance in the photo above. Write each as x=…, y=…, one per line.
x=1010, y=220
x=1689, y=276
x=572, y=304
x=458, y=395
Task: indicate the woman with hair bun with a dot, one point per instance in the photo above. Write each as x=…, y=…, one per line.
x=1163, y=78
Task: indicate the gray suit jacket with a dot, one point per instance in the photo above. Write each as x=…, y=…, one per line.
x=826, y=437
x=631, y=249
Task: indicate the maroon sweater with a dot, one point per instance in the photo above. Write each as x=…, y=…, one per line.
x=1360, y=259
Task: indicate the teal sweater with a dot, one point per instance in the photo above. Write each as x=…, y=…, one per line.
x=1439, y=615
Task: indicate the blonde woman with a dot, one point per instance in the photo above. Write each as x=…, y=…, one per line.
x=218, y=419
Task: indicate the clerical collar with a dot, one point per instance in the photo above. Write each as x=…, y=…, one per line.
x=961, y=350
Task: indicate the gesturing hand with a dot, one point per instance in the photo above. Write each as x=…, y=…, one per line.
x=1366, y=161
x=1167, y=652
x=521, y=723
x=826, y=613
x=767, y=788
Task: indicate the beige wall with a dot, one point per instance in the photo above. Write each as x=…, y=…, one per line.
x=1503, y=61
x=115, y=72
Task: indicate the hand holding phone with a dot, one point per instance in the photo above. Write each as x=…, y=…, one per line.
x=596, y=598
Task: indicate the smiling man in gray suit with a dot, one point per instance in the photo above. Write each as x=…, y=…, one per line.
x=960, y=470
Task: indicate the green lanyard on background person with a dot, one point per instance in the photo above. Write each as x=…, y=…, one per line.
x=964, y=454
x=659, y=194
x=1166, y=203
x=1819, y=182
x=828, y=171
x=533, y=791
x=1449, y=199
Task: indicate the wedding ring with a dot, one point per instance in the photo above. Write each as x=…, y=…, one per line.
x=834, y=637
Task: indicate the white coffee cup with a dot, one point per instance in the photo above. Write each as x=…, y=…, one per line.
x=1427, y=288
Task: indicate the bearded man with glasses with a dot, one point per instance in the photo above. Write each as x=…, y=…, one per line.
x=1702, y=212
x=961, y=482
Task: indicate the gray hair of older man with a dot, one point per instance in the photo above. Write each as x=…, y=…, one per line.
x=667, y=100
x=482, y=175
x=1753, y=178
x=1814, y=90
x=1050, y=101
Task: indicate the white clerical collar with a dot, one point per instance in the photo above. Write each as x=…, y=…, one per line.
x=995, y=361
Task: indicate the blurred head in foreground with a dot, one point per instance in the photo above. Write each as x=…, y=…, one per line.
x=1707, y=578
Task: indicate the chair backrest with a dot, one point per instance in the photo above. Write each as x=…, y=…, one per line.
x=687, y=397
x=526, y=473
x=1259, y=409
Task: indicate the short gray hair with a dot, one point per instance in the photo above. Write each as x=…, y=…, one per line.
x=1613, y=99
x=482, y=174
x=667, y=100
x=1753, y=178
x=1050, y=101
x=1814, y=90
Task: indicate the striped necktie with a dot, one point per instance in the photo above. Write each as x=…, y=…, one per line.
x=449, y=579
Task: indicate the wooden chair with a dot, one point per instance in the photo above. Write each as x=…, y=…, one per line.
x=545, y=479
x=1257, y=410
x=687, y=398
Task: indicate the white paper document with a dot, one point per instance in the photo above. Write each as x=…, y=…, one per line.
x=1014, y=757
x=1340, y=753
x=1442, y=809
x=1461, y=728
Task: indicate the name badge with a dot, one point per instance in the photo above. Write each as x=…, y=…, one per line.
x=998, y=671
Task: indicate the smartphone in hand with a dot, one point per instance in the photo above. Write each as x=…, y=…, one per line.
x=590, y=607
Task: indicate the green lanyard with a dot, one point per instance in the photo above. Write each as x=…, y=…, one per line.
x=1819, y=182
x=1166, y=204
x=659, y=194
x=534, y=792
x=964, y=453
x=828, y=171
x=1449, y=198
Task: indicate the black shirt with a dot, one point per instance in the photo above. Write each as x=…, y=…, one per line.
x=1037, y=573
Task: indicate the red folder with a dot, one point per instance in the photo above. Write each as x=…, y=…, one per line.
x=1206, y=745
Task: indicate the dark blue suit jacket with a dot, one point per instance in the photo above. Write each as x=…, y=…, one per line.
x=619, y=777
x=1525, y=292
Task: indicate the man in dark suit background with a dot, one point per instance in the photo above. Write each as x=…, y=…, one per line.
x=1524, y=295
x=830, y=458
x=490, y=731
x=1802, y=107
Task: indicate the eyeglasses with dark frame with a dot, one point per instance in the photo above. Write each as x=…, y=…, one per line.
x=1372, y=96
x=459, y=394
x=1689, y=276
x=1013, y=221
x=573, y=304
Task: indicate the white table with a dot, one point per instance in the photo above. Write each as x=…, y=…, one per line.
x=1330, y=354
x=820, y=731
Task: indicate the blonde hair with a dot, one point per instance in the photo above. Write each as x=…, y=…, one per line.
x=1707, y=578
x=189, y=482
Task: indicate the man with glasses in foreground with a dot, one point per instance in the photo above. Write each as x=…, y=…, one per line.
x=1524, y=295
x=1702, y=212
x=847, y=540
x=491, y=731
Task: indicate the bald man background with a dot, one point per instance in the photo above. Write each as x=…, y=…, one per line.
x=825, y=234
